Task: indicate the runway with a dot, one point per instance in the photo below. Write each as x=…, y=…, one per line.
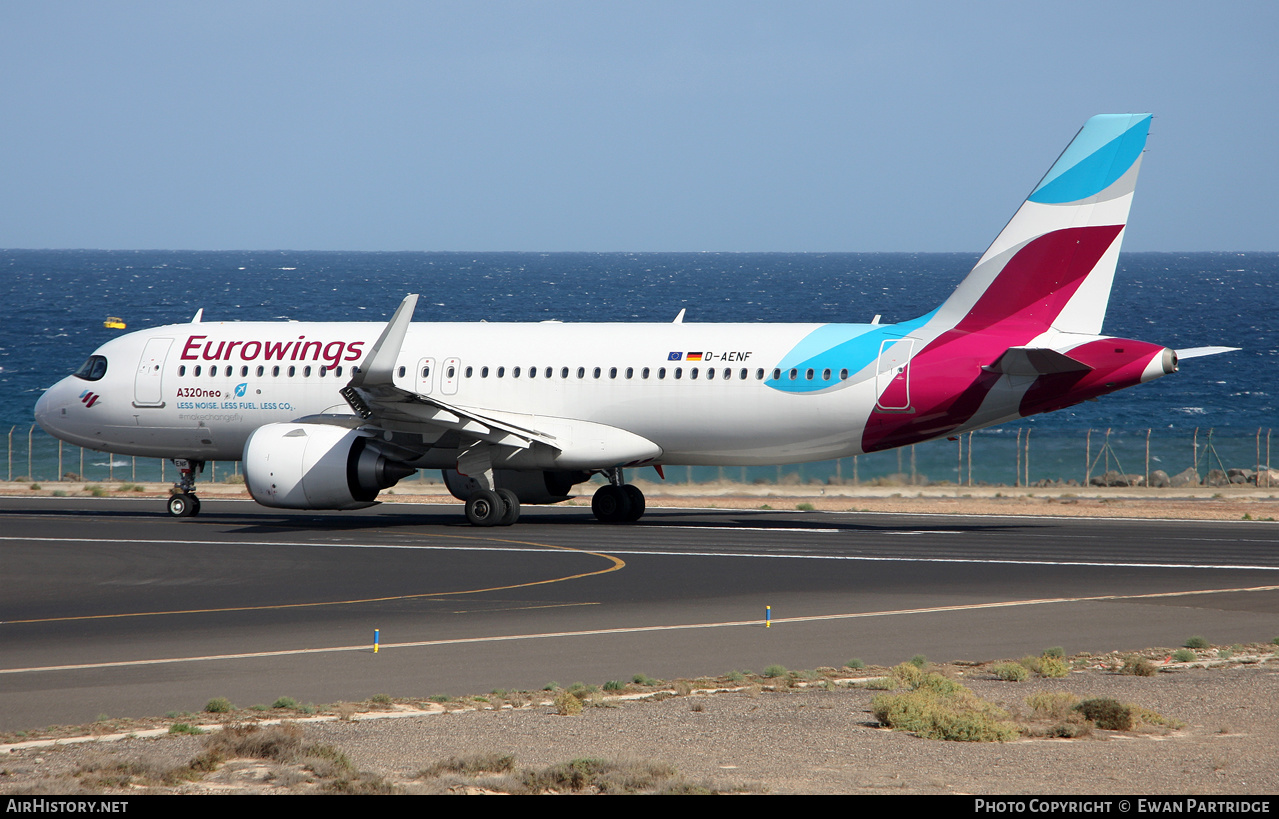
x=108, y=606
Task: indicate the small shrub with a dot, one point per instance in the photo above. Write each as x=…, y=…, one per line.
x=97, y=492
x=471, y=765
x=960, y=716
x=219, y=705
x=285, y=702
x=1184, y=655
x=643, y=679
x=1011, y=672
x=614, y=685
x=803, y=507
x=1107, y=714
x=1196, y=642
x=1224, y=654
x=1138, y=667
x=185, y=728
x=35, y=486
x=1055, y=651
x=567, y=705
x=1054, y=705
x=919, y=661
x=384, y=699
x=774, y=671
x=855, y=663
x=551, y=686
x=1052, y=667
x=735, y=676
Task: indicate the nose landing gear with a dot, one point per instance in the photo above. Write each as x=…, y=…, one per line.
x=182, y=501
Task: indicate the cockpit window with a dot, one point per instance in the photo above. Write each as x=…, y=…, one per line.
x=93, y=369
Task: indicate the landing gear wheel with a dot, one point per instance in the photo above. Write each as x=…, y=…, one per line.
x=511, y=507
x=485, y=508
x=636, y=497
x=611, y=504
x=183, y=505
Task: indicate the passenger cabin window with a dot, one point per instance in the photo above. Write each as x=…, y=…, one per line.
x=261, y=370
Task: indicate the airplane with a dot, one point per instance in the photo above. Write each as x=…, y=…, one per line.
x=327, y=415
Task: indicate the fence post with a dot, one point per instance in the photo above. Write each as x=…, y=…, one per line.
x=1147, y=457
x=1028, y=429
x=11, y=429
x=1088, y=456
x=1017, y=479
x=30, y=432
x=912, y=465
x=59, y=478
x=970, y=459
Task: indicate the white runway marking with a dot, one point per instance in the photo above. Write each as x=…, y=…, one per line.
x=777, y=622
x=662, y=553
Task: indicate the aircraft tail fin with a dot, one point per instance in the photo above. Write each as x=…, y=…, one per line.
x=1053, y=263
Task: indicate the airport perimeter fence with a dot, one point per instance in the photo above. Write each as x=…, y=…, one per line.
x=1002, y=456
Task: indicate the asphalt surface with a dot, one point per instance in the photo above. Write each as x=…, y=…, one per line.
x=110, y=607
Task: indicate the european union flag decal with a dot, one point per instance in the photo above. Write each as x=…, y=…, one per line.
x=675, y=357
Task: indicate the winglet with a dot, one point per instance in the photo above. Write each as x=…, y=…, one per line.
x=379, y=367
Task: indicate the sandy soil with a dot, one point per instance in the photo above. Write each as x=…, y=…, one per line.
x=795, y=739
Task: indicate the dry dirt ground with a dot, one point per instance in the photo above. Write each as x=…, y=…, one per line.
x=798, y=738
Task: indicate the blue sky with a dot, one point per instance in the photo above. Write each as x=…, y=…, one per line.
x=601, y=126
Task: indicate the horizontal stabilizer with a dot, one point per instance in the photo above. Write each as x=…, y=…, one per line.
x=1200, y=352
x=1035, y=361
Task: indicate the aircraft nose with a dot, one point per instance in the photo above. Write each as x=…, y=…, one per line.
x=49, y=408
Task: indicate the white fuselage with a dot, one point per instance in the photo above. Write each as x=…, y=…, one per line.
x=198, y=390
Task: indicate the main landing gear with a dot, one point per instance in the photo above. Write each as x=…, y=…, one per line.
x=493, y=507
x=617, y=501
x=182, y=501
x=614, y=502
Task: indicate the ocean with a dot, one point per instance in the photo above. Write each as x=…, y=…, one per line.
x=53, y=303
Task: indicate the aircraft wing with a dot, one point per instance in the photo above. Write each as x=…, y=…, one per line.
x=374, y=396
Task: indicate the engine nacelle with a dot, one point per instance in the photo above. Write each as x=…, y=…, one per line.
x=317, y=466
x=529, y=487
